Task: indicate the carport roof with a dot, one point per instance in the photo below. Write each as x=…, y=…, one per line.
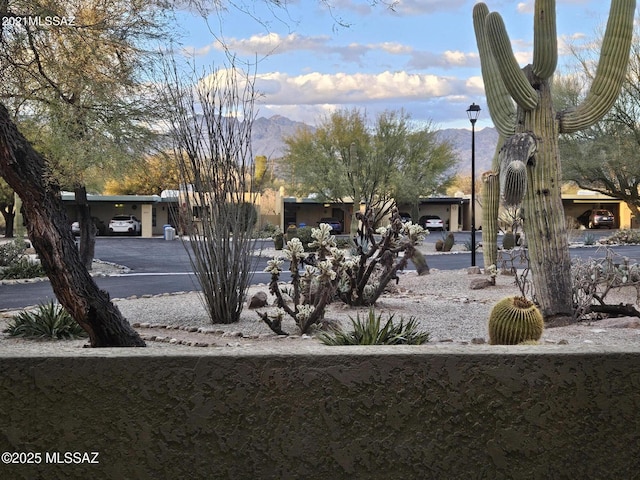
x=423, y=200
x=71, y=197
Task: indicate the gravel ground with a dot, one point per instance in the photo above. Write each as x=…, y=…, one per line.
x=442, y=302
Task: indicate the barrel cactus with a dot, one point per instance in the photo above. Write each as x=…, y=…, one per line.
x=514, y=320
x=521, y=107
x=509, y=240
x=448, y=242
x=278, y=241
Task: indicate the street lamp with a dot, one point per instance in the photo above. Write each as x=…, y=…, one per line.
x=473, y=112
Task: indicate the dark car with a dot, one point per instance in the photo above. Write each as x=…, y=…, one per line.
x=431, y=222
x=101, y=228
x=405, y=217
x=597, y=218
x=336, y=225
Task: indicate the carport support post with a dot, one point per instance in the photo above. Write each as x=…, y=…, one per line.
x=146, y=215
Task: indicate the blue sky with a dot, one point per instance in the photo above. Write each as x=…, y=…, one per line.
x=421, y=57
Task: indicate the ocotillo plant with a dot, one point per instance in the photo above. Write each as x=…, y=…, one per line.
x=519, y=102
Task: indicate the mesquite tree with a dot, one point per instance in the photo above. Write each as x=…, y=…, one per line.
x=27, y=172
x=531, y=127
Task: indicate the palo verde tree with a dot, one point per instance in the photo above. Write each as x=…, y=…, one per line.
x=521, y=106
x=147, y=176
x=27, y=172
x=346, y=158
x=77, y=88
x=210, y=120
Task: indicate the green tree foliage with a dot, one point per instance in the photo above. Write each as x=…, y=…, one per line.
x=345, y=157
x=78, y=90
x=149, y=176
x=605, y=157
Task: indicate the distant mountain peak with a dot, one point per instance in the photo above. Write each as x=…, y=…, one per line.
x=269, y=133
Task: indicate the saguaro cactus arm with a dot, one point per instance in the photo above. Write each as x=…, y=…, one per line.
x=545, y=40
x=501, y=106
x=611, y=71
x=517, y=152
x=514, y=79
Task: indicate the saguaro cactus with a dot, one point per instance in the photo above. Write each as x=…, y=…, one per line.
x=519, y=102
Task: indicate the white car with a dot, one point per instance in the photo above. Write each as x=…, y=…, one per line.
x=431, y=222
x=125, y=224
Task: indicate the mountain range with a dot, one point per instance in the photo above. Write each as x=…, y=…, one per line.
x=268, y=139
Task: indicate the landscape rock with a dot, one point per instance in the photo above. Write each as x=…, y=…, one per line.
x=480, y=283
x=258, y=300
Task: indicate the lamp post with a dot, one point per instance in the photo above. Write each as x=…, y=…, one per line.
x=473, y=112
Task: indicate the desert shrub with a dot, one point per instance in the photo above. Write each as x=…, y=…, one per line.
x=622, y=237
x=306, y=238
x=49, y=321
x=11, y=252
x=22, y=268
x=593, y=279
x=372, y=331
x=268, y=231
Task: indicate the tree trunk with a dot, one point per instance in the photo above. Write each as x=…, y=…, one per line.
x=87, y=228
x=544, y=221
x=9, y=215
x=26, y=172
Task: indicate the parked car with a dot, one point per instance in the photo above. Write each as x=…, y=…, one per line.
x=101, y=228
x=431, y=222
x=597, y=218
x=125, y=224
x=336, y=225
x=405, y=217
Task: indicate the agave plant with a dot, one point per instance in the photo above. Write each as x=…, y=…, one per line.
x=49, y=320
x=371, y=331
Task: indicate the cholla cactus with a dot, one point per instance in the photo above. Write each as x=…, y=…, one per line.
x=356, y=280
x=312, y=289
x=520, y=103
x=323, y=240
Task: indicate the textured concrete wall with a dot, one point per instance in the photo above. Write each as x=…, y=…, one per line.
x=325, y=413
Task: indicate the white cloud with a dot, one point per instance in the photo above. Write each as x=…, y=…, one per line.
x=342, y=88
x=526, y=7
x=308, y=97
x=421, y=7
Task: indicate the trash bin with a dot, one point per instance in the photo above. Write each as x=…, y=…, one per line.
x=169, y=232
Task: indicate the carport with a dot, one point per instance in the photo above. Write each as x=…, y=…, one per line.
x=153, y=211
x=585, y=200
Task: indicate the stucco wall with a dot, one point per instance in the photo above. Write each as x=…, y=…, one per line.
x=326, y=413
